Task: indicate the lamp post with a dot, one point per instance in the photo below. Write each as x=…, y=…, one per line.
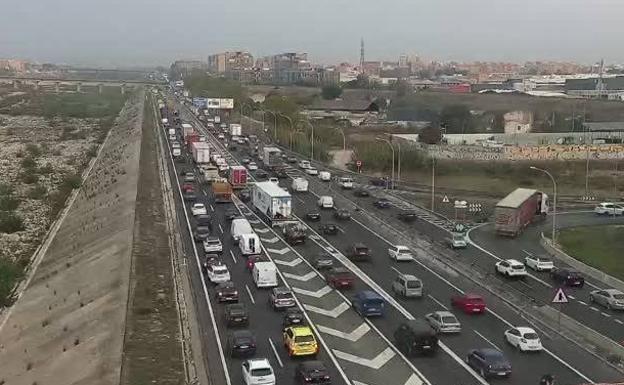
x=344, y=138
x=554, y=221
x=243, y=104
x=433, y=184
x=312, y=138
x=292, y=128
x=274, y=122
x=392, y=148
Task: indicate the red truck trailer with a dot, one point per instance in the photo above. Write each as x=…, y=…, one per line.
x=518, y=209
x=238, y=177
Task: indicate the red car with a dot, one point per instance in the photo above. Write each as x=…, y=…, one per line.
x=252, y=259
x=339, y=278
x=469, y=303
x=188, y=187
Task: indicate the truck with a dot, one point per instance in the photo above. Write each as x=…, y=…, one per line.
x=200, y=152
x=518, y=209
x=299, y=184
x=272, y=201
x=222, y=192
x=217, y=119
x=187, y=129
x=236, y=129
x=191, y=138
x=238, y=177
x=272, y=157
x=210, y=173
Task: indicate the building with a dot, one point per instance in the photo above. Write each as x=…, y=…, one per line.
x=13, y=65
x=233, y=61
x=607, y=87
x=182, y=68
x=518, y=122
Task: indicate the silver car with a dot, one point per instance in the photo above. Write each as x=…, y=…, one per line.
x=443, y=322
x=407, y=285
x=609, y=298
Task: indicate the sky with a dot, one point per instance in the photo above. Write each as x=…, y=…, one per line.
x=109, y=33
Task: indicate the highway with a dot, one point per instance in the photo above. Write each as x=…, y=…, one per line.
x=360, y=350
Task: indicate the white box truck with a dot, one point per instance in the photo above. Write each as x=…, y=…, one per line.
x=239, y=227
x=236, y=129
x=249, y=244
x=300, y=184
x=200, y=152
x=265, y=274
x=272, y=201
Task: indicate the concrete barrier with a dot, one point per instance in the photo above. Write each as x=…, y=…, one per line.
x=580, y=266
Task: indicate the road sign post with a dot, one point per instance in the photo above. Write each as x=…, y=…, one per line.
x=560, y=298
x=358, y=163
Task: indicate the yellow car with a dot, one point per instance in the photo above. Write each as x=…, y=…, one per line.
x=300, y=341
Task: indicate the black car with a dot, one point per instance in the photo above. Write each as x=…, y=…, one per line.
x=189, y=196
x=360, y=192
x=380, y=182
x=292, y=159
x=342, y=214
x=568, y=277
x=231, y=214
x=323, y=261
x=201, y=233
x=261, y=174
x=226, y=292
x=281, y=174
x=489, y=363
x=204, y=220
x=293, y=316
x=294, y=233
x=244, y=195
x=245, y=160
x=312, y=372
x=416, y=337
x=407, y=216
x=236, y=315
x=328, y=229
x=313, y=216
x=382, y=203
x=241, y=343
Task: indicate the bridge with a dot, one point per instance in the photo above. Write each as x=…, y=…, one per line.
x=37, y=82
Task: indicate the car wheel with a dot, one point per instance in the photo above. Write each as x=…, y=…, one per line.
x=482, y=372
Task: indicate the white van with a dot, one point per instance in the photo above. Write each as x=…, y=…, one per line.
x=300, y=184
x=249, y=244
x=176, y=152
x=239, y=227
x=326, y=202
x=265, y=274
x=346, y=183
x=304, y=164
x=325, y=176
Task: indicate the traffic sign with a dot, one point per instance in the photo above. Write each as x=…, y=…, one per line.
x=461, y=204
x=358, y=163
x=560, y=296
x=445, y=199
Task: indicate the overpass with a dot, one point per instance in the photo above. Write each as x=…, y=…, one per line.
x=37, y=82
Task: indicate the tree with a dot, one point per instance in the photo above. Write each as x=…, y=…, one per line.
x=360, y=82
x=430, y=135
x=457, y=119
x=331, y=91
x=402, y=88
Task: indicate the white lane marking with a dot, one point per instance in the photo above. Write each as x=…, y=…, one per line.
x=278, y=251
x=292, y=263
x=571, y=297
x=220, y=228
x=212, y=208
x=352, y=336
x=316, y=294
x=303, y=278
x=592, y=285
x=334, y=313
x=233, y=257
x=582, y=303
x=279, y=360
x=270, y=240
x=412, y=380
x=438, y=302
x=299, y=199
x=340, y=229
x=605, y=314
x=262, y=231
x=463, y=364
x=593, y=308
x=374, y=363
x=251, y=297
x=618, y=321
x=488, y=341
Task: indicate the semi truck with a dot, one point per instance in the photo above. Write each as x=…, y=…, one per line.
x=236, y=129
x=238, y=177
x=200, y=152
x=272, y=157
x=518, y=209
x=272, y=201
x=222, y=192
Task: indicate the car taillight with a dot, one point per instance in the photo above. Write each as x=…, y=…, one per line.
x=235, y=292
x=326, y=377
x=308, y=379
x=524, y=341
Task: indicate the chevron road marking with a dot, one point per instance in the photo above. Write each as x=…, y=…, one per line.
x=375, y=363
x=303, y=278
x=334, y=313
x=353, y=336
x=270, y=240
x=412, y=380
x=280, y=251
x=292, y=263
x=262, y=231
x=316, y=294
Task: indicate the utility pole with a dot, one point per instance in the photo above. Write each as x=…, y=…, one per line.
x=433, y=183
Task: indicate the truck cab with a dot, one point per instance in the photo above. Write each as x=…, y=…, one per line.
x=304, y=164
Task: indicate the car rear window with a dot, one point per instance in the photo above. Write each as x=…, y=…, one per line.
x=449, y=320
x=530, y=336
x=475, y=301
x=361, y=250
x=618, y=296
x=213, y=241
x=517, y=267
x=413, y=284
x=220, y=270
x=304, y=339
x=261, y=372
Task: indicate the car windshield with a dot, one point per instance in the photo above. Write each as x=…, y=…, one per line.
x=213, y=241
x=530, y=336
x=404, y=251
x=260, y=372
x=413, y=284
x=342, y=275
x=475, y=301
x=304, y=339
x=618, y=296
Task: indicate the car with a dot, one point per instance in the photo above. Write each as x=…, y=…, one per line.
x=416, y=337
x=523, y=338
x=324, y=176
x=567, y=277
x=511, y=268
x=189, y=177
x=293, y=316
x=204, y=220
x=443, y=322
x=236, y=315
x=232, y=147
x=226, y=292
x=346, y=183
x=291, y=159
x=539, y=263
x=457, y=241
x=189, y=196
x=281, y=174
x=489, y=363
x=213, y=245
x=381, y=182
x=294, y=233
x=304, y=164
x=407, y=285
x=311, y=171
x=274, y=180
x=407, y=216
x=188, y=187
x=612, y=299
x=252, y=259
x=608, y=208
x=382, y=203
x=328, y=229
x=218, y=273
x=258, y=371
x=223, y=167
x=252, y=166
x=221, y=136
x=323, y=261
x=281, y=298
x=300, y=341
x=245, y=161
x=313, y=216
x=210, y=259
x=198, y=209
x=261, y=174
x=358, y=252
x=325, y=202
x=244, y=195
x=469, y=303
x=360, y=192
x=201, y=233
x=368, y=303
x=312, y=372
x=339, y=278
x=342, y=214
x=400, y=253
x=231, y=214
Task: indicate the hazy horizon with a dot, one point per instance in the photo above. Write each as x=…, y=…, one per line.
x=139, y=33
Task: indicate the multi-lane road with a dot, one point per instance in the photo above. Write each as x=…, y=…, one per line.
x=363, y=351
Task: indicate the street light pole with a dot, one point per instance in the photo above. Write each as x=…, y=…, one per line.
x=274, y=123
x=433, y=183
x=554, y=221
x=344, y=138
x=312, y=139
x=292, y=128
x=392, y=148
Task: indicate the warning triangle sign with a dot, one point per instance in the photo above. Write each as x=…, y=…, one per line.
x=445, y=199
x=560, y=297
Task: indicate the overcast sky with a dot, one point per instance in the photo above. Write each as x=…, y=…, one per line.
x=152, y=32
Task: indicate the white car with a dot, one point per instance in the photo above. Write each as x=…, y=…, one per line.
x=538, y=263
x=346, y=183
x=172, y=137
x=258, y=371
x=252, y=166
x=213, y=245
x=511, y=268
x=608, y=208
x=400, y=253
x=443, y=322
x=217, y=273
x=311, y=171
x=523, y=338
x=304, y=164
x=325, y=176
x=198, y=209
x=223, y=167
x=325, y=202
x=221, y=136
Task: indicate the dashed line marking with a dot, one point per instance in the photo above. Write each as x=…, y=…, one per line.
x=618, y=321
x=220, y=228
x=212, y=208
x=488, y=341
x=438, y=302
x=279, y=360
x=251, y=297
x=593, y=308
x=605, y=314
x=582, y=303
x=571, y=297
x=233, y=257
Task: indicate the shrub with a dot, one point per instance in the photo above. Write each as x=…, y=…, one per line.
x=30, y=177
x=46, y=169
x=37, y=192
x=8, y=202
x=71, y=182
x=10, y=273
x=28, y=162
x=33, y=150
x=10, y=223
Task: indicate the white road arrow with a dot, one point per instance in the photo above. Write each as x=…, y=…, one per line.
x=316, y=294
x=334, y=313
x=412, y=380
x=353, y=336
x=292, y=263
x=375, y=363
x=303, y=278
x=254, y=221
x=280, y=251
x=270, y=240
x=262, y=231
